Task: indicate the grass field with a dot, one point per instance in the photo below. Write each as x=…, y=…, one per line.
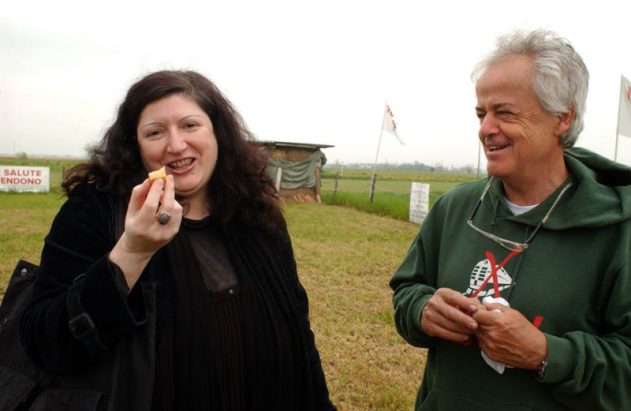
x=25, y=219
x=392, y=189
x=345, y=259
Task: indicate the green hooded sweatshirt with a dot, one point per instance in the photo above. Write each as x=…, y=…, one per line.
x=575, y=275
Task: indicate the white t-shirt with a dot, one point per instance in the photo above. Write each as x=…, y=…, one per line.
x=519, y=209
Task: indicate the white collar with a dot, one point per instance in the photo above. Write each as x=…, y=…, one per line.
x=518, y=209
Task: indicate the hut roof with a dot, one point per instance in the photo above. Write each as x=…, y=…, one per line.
x=285, y=144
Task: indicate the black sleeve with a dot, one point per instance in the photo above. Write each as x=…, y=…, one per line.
x=77, y=311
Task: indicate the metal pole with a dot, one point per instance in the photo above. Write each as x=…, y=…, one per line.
x=372, y=186
x=374, y=166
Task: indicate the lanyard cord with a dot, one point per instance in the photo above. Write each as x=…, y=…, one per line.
x=508, y=244
x=517, y=249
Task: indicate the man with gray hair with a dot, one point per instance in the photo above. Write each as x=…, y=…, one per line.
x=519, y=285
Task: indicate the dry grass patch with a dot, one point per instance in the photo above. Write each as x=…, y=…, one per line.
x=25, y=220
x=345, y=260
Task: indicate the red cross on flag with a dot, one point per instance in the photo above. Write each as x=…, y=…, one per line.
x=390, y=125
x=624, y=108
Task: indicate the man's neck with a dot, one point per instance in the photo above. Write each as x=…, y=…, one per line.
x=529, y=190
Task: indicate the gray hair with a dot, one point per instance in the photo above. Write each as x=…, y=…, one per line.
x=561, y=78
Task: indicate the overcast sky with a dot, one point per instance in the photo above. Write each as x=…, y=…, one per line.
x=312, y=72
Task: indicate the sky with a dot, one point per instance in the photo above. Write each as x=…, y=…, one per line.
x=309, y=72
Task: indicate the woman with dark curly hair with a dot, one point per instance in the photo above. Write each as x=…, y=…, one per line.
x=180, y=292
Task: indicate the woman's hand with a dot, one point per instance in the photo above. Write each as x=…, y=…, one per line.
x=143, y=234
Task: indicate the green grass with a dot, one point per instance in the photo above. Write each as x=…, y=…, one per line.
x=385, y=204
x=25, y=219
x=392, y=191
x=345, y=259
x=364, y=174
x=30, y=200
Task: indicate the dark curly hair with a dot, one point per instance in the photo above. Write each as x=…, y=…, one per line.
x=239, y=188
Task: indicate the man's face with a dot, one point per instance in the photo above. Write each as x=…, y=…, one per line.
x=519, y=138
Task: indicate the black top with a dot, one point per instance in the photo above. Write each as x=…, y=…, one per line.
x=189, y=319
x=214, y=379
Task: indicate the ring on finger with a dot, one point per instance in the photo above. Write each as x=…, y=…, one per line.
x=164, y=217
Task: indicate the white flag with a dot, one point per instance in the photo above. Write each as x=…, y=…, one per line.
x=390, y=125
x=624, y=108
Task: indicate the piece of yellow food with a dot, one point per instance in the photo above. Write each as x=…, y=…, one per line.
x=161, y=173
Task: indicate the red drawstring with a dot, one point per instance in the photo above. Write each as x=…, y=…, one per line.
x=537, y=321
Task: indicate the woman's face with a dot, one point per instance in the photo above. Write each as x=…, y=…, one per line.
x=176, y=133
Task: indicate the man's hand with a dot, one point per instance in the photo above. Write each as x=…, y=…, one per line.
x=448, y=315
x=508, y=337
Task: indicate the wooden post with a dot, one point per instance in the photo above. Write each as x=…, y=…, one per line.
x=337, y=177
x=279, y=175
x=373, y=180
x=318, y=198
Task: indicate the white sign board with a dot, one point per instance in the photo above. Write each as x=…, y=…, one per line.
x=419, y=202
x=22, y=178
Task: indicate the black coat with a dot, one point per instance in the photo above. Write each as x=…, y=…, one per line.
x=117, y=358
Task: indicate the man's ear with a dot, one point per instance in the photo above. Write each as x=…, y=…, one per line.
x=564, y=122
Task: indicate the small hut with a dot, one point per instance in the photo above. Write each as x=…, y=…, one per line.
x=295, y=167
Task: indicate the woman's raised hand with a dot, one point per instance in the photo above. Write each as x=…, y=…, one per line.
x=144, y=234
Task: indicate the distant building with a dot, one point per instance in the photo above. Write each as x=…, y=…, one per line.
x=295, y=168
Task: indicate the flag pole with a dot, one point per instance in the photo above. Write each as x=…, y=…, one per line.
x=374, y=166
x=615, y=153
